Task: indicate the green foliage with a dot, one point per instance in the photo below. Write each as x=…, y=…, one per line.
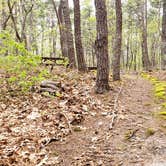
x=160, y=90
x=63, y=62
x=23, y=71
x=162, y=114
x=159, y=86
x=18, y=63
x=9, y=46
x=159, y=93
x=164, y=105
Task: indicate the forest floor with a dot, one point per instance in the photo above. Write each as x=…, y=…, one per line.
x=80, y=128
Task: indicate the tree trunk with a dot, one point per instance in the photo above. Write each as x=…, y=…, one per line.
x=59, y=15
x=127, y=52
x=68, y=28
x=163, y=51
x=63, y=34
x=101, y=47
x=14, y=21
x=5, y=16
x=153, y=53
x=145, y=56
x=78, y=41
x=118, y=42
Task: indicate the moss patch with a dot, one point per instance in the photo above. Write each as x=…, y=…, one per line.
x=159, y=93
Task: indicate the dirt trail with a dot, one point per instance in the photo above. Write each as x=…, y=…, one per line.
x=135, y=140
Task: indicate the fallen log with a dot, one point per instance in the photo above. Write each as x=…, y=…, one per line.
x=50, y=86
x=49, y=90
x=47, y=83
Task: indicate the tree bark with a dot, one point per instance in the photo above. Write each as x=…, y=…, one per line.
x=145, y=56
x=63, y=34
x=127, y=52
x=118, y=41
x=163, y=50
x=78, y=41
x=68, y=28
x=101, y=47
x=59, y=15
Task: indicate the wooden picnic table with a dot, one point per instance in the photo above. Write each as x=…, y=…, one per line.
x=53, y=59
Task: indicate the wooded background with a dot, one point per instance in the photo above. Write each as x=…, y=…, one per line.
x=46, y=26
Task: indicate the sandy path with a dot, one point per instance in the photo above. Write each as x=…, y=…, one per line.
x=127, y=144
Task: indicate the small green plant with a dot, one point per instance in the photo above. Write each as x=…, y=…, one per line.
x=150, y=132
x=161, y=114
x=9, y=46
x=164, y=105
x=12, y=79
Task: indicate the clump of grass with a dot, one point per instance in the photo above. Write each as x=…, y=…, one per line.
x=164, y=105
x=160, y=90
x=150, y=132
x=162, y=114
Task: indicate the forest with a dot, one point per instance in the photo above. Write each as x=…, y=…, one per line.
x=82, y=82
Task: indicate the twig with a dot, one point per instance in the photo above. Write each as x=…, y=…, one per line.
x=115, y=109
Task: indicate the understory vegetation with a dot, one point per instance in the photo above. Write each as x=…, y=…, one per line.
x=159, y=91
x=20, y=66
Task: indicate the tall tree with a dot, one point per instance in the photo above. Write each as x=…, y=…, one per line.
x=145, y=56
x=59, y=15
x=63, y=39
x=68, y=28
x=101, y=47
x=163, y=51
x=118, y=41
x=78, y=40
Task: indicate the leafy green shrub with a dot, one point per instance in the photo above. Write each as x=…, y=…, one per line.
x=23, y=71
x=20, y=65
x=9, y=46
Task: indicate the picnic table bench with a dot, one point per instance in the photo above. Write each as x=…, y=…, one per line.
x=91, y=68
x=51, y=61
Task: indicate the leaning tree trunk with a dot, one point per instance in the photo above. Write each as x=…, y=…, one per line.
x=68, y=28
x=101, y=47
x=78, y=41
x=163, y=51
x=118, y=41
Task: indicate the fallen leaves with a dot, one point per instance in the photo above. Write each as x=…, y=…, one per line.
x=30, y=122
